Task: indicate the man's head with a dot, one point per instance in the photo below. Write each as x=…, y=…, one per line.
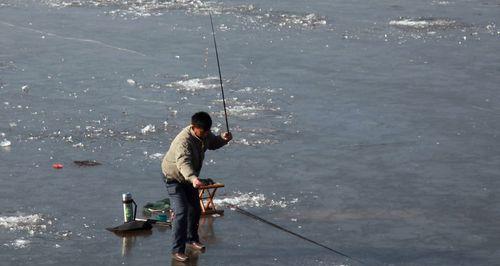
x=201, y=123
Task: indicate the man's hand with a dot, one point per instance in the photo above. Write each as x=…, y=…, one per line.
x=227, y=136
x=197, y=183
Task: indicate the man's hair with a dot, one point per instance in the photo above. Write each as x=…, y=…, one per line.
x=202, y=120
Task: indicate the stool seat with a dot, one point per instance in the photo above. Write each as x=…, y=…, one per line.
x=207, y=195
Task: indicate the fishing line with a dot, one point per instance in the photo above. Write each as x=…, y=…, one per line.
x=253, y=216
x=218, y=66
x=73, y=38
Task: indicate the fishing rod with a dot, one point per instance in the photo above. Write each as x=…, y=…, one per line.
x=218, y=66
x=253, y=216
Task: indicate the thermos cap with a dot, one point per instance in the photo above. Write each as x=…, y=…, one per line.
x=126, y=196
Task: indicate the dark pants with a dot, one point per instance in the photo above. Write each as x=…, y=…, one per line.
x=187, y=211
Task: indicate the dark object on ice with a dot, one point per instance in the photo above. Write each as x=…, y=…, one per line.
x=87, y=163
x=132, y=226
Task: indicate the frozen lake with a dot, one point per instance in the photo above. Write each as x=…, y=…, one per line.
x=370, y=127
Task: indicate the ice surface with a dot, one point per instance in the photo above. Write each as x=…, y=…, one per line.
x=409, y=82
x=249, y=14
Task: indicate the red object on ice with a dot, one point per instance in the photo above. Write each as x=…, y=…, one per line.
x=57, y=166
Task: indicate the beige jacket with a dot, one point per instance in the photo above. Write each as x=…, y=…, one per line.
x=184, y=158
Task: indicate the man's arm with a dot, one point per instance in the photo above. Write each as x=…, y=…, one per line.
x=216, y=142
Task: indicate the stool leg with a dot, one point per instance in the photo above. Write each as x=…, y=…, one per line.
x=202, y=205
x=211, y=204
x=208, y=199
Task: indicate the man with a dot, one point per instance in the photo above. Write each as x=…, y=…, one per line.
x=181, y=168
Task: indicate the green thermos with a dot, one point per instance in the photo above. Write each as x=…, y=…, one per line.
x=129, y=207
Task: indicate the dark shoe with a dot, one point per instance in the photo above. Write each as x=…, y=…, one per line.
x=196, y=245
x=180, y=257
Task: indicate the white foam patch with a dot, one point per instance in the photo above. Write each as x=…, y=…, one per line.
x=5, y=143
x=210, y=162
x=252, y=199
x=130, y=98
x=308, y=20
x=7, y=65
x=144, y=100
x=492, y=29
x=148, y=129
x=423, y=23
x=18, y=243
x=245, y=111
x=442, y=3
x=259, y=90
x=131, y=82
x=156, y=156
x=31, y=223
x=195, y=84
x=254, y=142
x=249, y=108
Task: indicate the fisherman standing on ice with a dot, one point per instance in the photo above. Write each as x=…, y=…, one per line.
x=181, y=168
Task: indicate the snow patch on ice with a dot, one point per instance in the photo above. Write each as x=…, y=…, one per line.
x=251, y=199
x=423, y=23
x=131, y=82
x=156, y=156
x=5, y=143
x=18, y=243
x=32, y=223
x=148, y=129
x=255, y=142
x=195, y=84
